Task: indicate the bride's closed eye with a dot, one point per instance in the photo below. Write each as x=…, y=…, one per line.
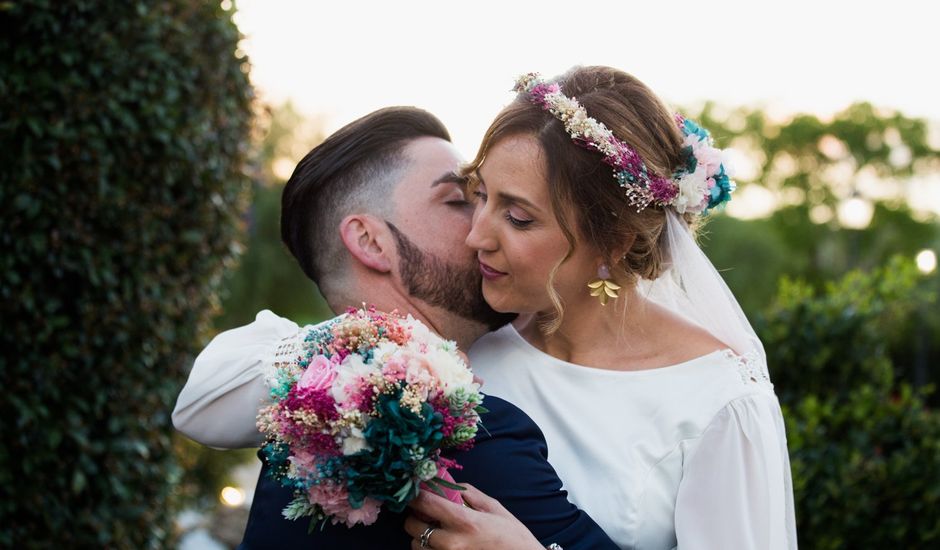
x=517, y=221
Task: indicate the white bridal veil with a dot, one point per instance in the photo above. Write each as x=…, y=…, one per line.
x=692, y=288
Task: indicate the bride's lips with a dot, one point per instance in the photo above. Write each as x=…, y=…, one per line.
x=489, y=273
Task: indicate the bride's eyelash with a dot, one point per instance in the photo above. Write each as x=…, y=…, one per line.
x=516, y=222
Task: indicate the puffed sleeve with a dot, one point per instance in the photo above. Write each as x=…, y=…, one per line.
x=226, y=387
x=736, y=490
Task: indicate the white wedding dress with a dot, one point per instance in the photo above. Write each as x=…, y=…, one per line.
x=690, y=456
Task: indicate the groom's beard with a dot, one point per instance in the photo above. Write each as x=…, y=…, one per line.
x=451, y=287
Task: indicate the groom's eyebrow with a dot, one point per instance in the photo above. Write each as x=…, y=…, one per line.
x=450, y=177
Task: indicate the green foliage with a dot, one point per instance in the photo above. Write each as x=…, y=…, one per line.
x=865, y=450
x=810, y=164
x=206, y=471
x=267, y=276
x=866, y=469
x=124, y=129
x=748, y=254
x=836, y=341
x=815, y=160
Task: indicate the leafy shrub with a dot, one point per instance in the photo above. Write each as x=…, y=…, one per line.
x=864, y=450
x=866, y=470
x=124, y=128
x=837, y=340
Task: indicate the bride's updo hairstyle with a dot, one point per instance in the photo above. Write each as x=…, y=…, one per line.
x=589, y=205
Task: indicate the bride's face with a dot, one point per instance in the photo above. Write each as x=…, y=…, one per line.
x=517, y=236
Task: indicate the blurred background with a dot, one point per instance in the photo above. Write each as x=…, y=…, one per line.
x=145, y=147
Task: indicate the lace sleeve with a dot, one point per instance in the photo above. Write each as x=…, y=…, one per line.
x=226, y=387
x=288, y=353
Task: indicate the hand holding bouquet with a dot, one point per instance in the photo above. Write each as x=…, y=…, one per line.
x=359, y=420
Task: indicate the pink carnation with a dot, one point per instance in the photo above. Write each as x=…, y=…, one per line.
x=419, y=371
x=332, y=497
x=395, y=370
x=305, y=462
x=334, y=500
x=366, y=514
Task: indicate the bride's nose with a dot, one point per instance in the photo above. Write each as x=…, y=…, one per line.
x=481, y=236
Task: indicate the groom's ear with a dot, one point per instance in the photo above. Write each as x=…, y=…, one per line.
x=368, y=240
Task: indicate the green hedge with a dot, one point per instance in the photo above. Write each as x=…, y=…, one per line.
x=124, y=130
x=866, y=470
x=864, y=449
x=834, y=341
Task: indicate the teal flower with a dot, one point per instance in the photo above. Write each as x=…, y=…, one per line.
x=276, y=456
x=690, y=127
x=398, y=439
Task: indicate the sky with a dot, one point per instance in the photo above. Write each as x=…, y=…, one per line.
x=339, y=60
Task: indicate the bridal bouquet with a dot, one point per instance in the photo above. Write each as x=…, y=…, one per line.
x=359, y=420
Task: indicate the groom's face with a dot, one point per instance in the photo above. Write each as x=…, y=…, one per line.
x=431, y=205
x=431, y=222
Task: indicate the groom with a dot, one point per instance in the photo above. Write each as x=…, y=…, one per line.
x=376, y=214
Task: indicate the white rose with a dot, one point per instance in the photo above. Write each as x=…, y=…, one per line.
x=348, y=374
x=692, y=191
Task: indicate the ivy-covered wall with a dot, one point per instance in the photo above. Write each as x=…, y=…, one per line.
x=124, y=132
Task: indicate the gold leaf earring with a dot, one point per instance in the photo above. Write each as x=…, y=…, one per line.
x=602, y=287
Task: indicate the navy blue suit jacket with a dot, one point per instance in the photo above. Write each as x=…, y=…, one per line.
x=508, y=462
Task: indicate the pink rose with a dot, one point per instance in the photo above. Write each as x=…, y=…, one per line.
x=319, y=374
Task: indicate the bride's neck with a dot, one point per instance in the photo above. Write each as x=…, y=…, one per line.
x=587, y=327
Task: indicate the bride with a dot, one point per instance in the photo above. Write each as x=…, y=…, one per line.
x=629, y=352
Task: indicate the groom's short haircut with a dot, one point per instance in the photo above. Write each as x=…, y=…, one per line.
x=355, y=170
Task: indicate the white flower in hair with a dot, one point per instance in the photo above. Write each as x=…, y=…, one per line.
x=693, y=187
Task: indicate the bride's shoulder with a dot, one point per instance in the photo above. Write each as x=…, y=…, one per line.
x=685, y=339
x=730, y=375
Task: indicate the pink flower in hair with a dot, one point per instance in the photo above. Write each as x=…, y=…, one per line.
x=705, y=155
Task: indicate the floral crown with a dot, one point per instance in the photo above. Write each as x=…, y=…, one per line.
x=700, y=184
